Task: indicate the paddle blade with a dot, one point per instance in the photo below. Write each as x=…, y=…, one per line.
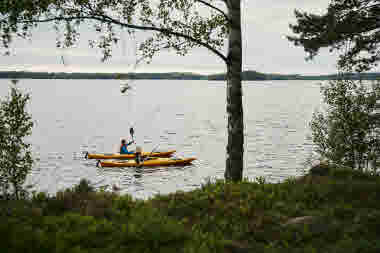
x=131, y=131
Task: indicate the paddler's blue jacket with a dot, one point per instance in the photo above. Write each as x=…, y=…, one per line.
x=124, y=150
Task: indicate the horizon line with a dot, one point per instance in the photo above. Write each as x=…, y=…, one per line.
x=163, y=72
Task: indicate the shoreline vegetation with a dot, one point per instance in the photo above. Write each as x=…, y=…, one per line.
x=246, y=76
x=329, y=209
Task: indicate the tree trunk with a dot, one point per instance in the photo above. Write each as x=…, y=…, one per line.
x=235, y=126
x=16, y=190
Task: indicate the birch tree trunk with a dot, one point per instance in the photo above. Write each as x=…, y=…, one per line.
x=235, y=126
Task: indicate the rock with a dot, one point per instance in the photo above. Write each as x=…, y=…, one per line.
x=316, y=225
x=300, y=220
x=238, y=247
x=115, y=188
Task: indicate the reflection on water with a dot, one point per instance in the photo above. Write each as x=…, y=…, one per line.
x=76, y=116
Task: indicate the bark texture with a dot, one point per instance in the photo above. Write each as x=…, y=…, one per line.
x=235, y=126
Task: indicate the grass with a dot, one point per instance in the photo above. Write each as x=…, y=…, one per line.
x=337, y=212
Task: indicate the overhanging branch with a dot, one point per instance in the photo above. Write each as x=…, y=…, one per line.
x=107, y=19
x=168, y=31
x=215, y=8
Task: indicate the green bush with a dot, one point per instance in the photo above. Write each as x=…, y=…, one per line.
x=346, y=133
x=343, y=211
x=15, y=154
x=83, y=186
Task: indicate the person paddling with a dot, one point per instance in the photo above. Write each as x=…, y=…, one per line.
x=123, y=147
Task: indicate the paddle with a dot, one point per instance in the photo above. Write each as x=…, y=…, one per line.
x=137, y=158
x=140, y=160
x=152, y=151
x=131, y=131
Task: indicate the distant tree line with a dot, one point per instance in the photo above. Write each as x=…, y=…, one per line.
x=65, y=75
x=246, y=76
x=253, y=76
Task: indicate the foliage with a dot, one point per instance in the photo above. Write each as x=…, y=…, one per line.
x=177, y=25
x=15, y=155
x=347, y=132
x=219, y=217
x=84, y=186
x=349, y=25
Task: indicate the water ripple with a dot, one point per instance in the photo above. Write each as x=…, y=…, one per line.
x=277, y=139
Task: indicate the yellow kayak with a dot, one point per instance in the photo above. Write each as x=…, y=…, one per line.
x=129, y=156
x=152, y=162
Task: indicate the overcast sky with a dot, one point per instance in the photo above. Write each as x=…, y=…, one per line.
x=265, y=25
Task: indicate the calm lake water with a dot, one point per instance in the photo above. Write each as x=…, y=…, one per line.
x=73, y=116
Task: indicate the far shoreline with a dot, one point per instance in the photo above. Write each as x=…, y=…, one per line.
x=246, y=76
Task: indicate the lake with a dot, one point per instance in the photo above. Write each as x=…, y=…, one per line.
x=74, y=116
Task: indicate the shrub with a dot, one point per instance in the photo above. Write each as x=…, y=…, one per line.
x=346, y=133
x=83, y=186
x=15, y=155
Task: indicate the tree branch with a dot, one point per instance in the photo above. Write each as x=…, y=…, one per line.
x=107, y=19
x=168, y=31
x=365, y=8
x=215, y=8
